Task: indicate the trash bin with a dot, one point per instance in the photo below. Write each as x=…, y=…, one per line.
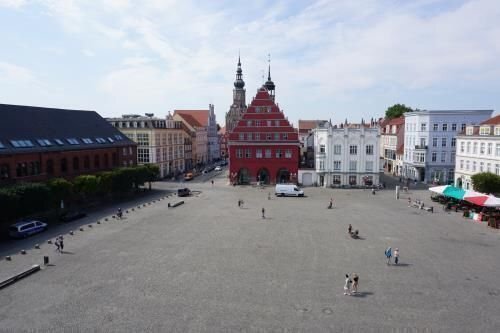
x=45, y=260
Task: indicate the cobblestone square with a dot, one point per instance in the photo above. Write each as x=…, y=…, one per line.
x=209, y=266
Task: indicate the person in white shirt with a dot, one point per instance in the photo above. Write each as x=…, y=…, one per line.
x=347, y=285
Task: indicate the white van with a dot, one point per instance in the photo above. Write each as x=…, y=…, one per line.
x=288, y=190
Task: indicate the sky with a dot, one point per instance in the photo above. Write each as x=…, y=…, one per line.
x=330, y=59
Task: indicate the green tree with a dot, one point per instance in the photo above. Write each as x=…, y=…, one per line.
x=86, y=185
x=486, y=182
x=396, y=111
x=60, y=189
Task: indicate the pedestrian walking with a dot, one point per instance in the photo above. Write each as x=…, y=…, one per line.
x=61, y=243
x=240, y=202
x=212, y=183
x=269, y=196
x=388, y=255
x=263, y=213
x=349, y=230
x=396, y=256
x=347, y=285
x=58, y=246
x=331, y=204
x=355, y=283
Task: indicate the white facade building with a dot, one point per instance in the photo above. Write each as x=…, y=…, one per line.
x=430, y=142
x=478, y=150
x=347, y=155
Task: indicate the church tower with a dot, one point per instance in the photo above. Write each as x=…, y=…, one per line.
x=239, y=105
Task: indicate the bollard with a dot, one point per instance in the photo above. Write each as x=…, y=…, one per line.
x=49, y=242
x=37, y=246
x=169, y=205
x=23, y=251
x=90, y=225
x=81, y=229
x=126, y=212
x=71, y=233
x=8, y=258
x=106, y=219
x=133, y=209
x=113, y=216
x=98, y=222
x=45, y=260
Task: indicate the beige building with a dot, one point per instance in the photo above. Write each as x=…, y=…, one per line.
x=478, y=150
x=159, y=141
x=199, y=136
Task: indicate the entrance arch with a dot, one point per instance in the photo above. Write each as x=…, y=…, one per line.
x=263, y=176
x=243, y=176
x=282, y=176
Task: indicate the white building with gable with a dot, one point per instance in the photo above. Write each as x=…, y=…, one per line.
x=346, y=155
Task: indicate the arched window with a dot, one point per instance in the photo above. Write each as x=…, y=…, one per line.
x=64, y=165
x=86, y=162
x=97, y=162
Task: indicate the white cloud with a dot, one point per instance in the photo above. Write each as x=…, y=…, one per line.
x=12, y=3
x=88, y=53
x=15, y=74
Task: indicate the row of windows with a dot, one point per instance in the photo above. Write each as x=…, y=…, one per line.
x=163, y=139
x=444, y=142
x=484, y=130
x=144, y=124
x=353, y=165
x=263, y=153
x=263, y=136
x=484, y=148
x=443, y=157
x=259, y=109
x=435, y=127
x=25, y=169
x=479, y=167
x=59, y=142
x=353, y=179
x=353, y=149
x=268, y=123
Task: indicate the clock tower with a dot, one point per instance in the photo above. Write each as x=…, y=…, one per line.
x=239, y=105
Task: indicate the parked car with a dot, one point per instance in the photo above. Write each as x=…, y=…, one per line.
x=26, y=228
x=183, y=192
x=72, y=216
x=218, y=168
x=188, y=176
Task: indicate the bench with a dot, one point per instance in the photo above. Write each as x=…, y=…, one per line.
x=429, y=209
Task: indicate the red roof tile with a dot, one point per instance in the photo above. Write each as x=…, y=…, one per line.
x=492, y=121
x=190, y=120
x=307, y=125
x=201, y=116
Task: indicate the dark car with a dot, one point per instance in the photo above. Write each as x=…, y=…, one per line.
x=72, y=216
x=183, y=192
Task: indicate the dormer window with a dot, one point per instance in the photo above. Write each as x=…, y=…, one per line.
x=484, y=130
x=497, y=130
x=2, y=146
x=100, y=140
x=469, y=130
x=111, y=140
x=59, y=142
x=44, y=142
x=87, y=141
x=73, y=141
x=21, y=143
x=118, y=137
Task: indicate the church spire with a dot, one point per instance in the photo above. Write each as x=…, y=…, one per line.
x=269, y=83
x=239, y=83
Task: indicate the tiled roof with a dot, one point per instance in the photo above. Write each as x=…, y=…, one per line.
x=37, y=129
x=492, y=121
x=201, y=116
x=190, y=120
x=306, y=125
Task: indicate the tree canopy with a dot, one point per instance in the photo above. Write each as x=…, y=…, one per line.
x=486, y=182
x=396, y=111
